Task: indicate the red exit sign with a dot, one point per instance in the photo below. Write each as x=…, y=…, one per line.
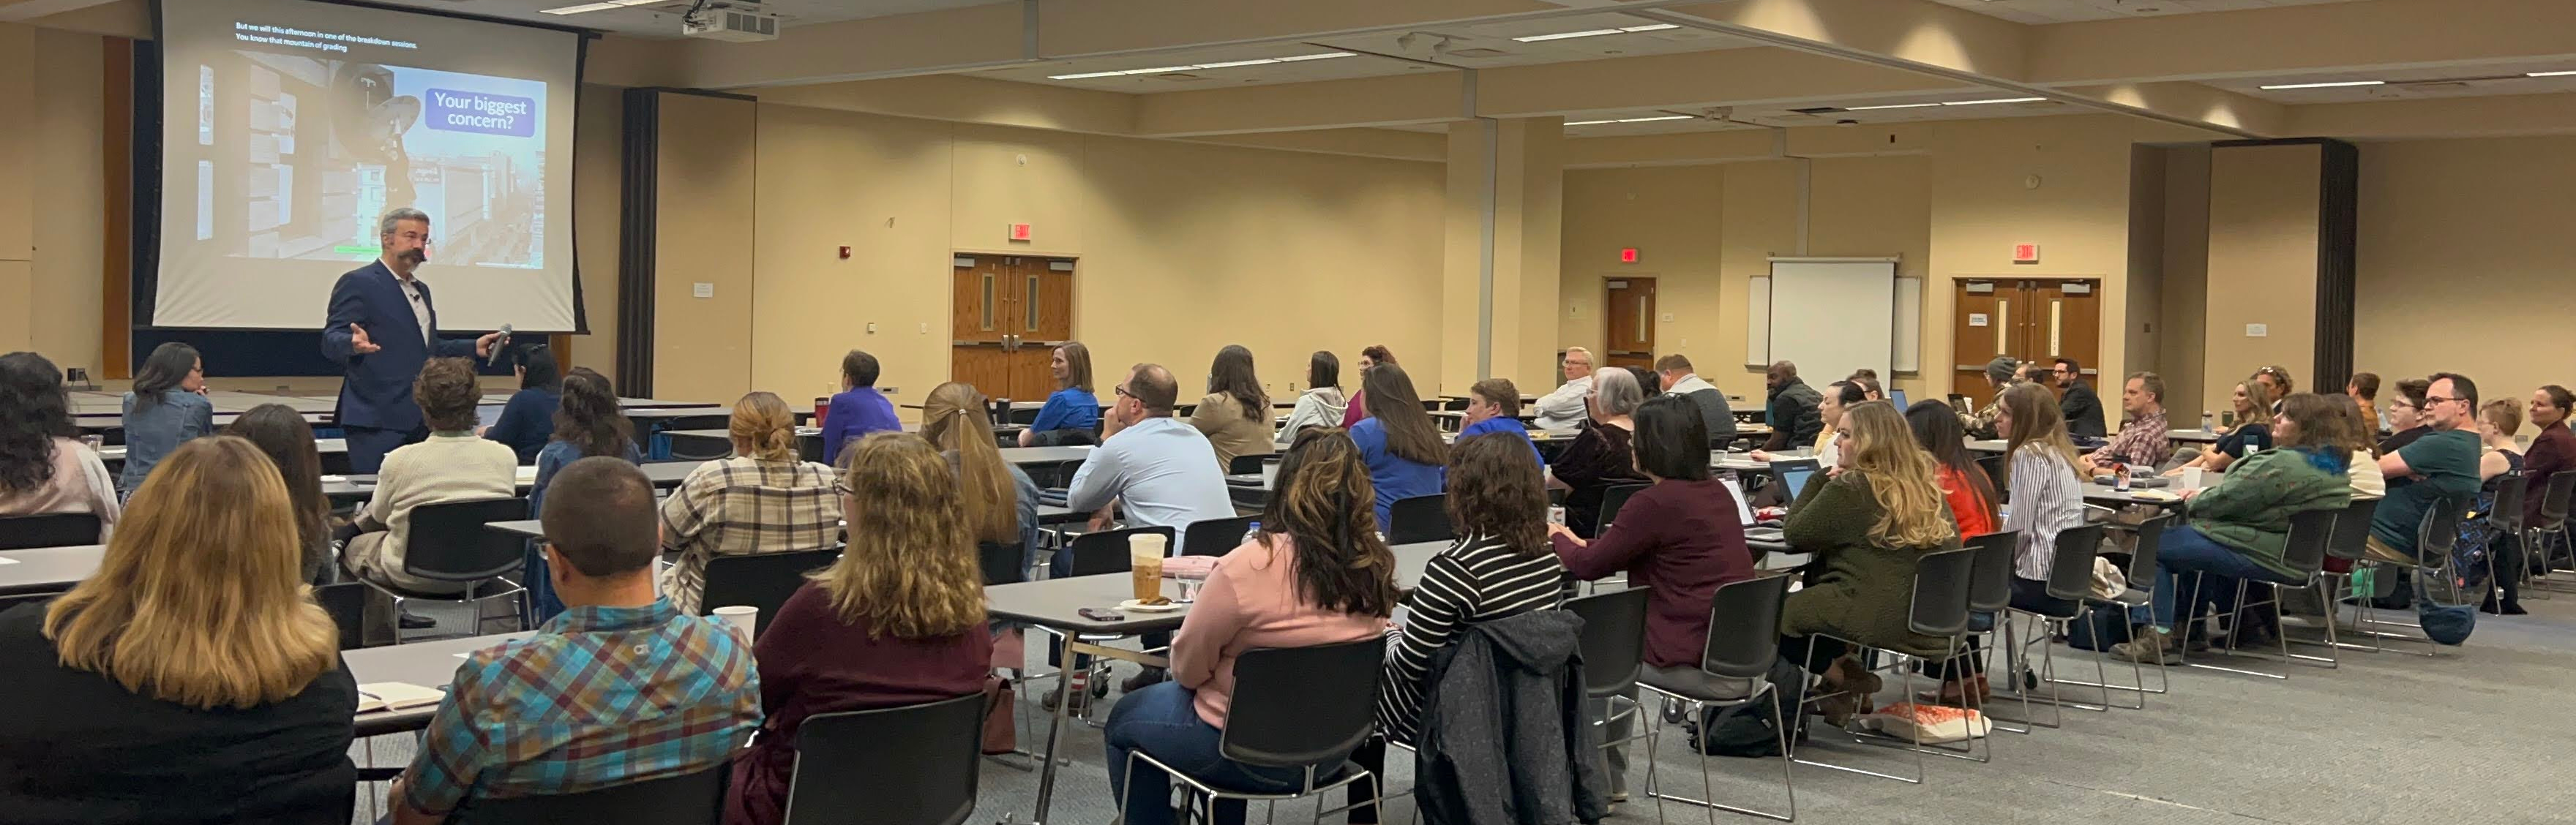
x=2025, y=253
x=1019, y=232
x=1628, y=255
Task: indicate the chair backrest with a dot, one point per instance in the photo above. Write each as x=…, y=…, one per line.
x=1994, y=465
x=1991, y=575
x=1614, y=497
x=2070, y=574
x=2440, y=531
x=1299, y=706
x=687, y=799
x=1051, y=475
x=347, y=604
x=1244, y=464
x=2553, y=501
x=2506, y=515
x=2352, y=529
x=710, y=421
x=1614, y=638
x=49, y=530
x=1791, y=474
x=1106, y=551
x=1941, y=580
x=1743, y=627
x=764, y=581
x=2305, y=547
x=1001, y=562
x=1426, y=518
x=910, y=765
x=449, y=543
x=1215, y=536
x=2142, y=559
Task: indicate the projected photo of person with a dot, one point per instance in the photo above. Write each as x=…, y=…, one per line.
x=298, y=155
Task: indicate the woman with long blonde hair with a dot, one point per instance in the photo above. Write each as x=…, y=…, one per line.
x=898, y=620
x=762, y=500
x=2252, y=403
x=1001, y=503
x=191, y=678
x=1866, y=520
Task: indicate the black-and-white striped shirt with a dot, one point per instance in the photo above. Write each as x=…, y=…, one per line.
x=1478, y=579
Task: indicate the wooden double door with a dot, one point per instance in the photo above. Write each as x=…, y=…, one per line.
x=1628, y=321
x=2028, y=319
x=1009, y=314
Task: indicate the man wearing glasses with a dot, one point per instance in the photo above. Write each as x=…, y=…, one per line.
x=2438, y=469
x=382, y=326
x=2082, y=407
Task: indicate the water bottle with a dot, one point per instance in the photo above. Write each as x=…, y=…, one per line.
x=1248, y=535
x=2208, y=423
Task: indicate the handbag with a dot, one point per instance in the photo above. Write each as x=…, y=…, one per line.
x=1001, y=727
x=2108, y=581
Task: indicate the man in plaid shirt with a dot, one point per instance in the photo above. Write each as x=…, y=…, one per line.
x=620, y=688
x=2145, y=442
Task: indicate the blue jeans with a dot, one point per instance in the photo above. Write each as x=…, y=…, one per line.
x=2187, y=550
x=1160, y=721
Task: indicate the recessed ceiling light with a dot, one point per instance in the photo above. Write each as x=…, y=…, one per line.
x=2327, y=85
x=601, y=6
x=2550, y=74
x=1324, y=56
x=1083, y=76
x=1890, y=106
x=1992, y=100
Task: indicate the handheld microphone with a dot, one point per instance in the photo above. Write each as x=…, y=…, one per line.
x=499, y=345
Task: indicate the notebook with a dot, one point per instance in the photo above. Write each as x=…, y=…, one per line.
x=376, y=696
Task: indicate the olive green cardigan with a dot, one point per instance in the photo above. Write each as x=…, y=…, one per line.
x=2249, y=510
x=1866, y=591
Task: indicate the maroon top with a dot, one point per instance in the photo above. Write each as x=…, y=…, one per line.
x=811, y=662
x=2552, y=451
x=1682, y=540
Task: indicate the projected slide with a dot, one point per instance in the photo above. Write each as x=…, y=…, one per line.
x=290, y=127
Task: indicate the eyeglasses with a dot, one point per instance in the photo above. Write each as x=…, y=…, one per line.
x=1122, y=391
x=2431, y=400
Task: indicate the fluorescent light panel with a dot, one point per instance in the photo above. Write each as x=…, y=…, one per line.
x=1588, y=122
x=1992, y=100
x=2327, y=85
x=1163, y=69
x=1629, y=120
x=601, y=6
x=1324, y=56
x=1889, y=106
x=2550, y=74
x=1655, y=27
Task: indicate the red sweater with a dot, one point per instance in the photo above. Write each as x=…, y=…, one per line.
x=811, y=662
x=1975, y=515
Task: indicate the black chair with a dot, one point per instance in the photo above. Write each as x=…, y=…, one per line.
x=1243, y=464
x=1001, y=563
x=1614, y=641
x=2553, y=524
x=762, y=580
x=2070, y=580
x=1216, y=536
x=2141, y=573
x=2505, y=523
x=910, y=765
x=1942, y=582
x=2304, y=551
x=1990, y=593
x=2435, y=539
x=448, y=543
x=1994, y=465
x=1614, y=497
x=1426, y=518
x=687, y=799
x=694, y=422
x=1742, y=645
x=49, y=530
x=1052, y=475
x=1106, y=551
x=347, y=604
x=1295, y=707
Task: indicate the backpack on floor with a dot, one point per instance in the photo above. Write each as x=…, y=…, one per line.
x=1745, y=729
x=2111, y=626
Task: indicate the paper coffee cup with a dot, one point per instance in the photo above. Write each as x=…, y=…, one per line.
x=2191, y=477
x=744, y=618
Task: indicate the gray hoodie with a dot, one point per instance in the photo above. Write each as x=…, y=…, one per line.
x=1506, y=737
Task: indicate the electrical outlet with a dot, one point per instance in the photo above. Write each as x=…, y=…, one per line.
x=872, y=327
x=925, y=328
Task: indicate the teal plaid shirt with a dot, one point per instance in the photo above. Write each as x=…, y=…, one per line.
x=599, y=696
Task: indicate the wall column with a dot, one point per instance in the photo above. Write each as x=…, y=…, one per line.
x=2280, y=262
x=1500, y=255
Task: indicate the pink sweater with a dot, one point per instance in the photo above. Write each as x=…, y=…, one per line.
x=1252, y=601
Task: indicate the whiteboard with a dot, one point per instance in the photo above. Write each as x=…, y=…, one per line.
x=1831, y=316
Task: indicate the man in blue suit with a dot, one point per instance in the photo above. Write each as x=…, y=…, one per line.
x=382, y=327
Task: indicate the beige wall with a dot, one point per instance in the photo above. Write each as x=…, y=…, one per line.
x=2183, y=296
x=2465, y=261
x=2263, y=249
x=597, y=188
x=702, y=346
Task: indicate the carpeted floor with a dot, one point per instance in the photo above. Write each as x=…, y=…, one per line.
x=2474, y=734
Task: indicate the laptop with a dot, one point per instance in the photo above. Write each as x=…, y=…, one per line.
x=1897, y=396
x=1792, y=477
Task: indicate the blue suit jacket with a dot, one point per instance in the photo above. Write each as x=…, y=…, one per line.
x=375, y=388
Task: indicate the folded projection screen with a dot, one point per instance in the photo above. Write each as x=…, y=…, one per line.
x=290, y=126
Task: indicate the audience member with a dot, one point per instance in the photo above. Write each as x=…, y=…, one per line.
x=858, y=409
x=2001, y=374
x=1314, y=574
x=527, y=421
x=1155, y=468
x=1677, y=378
x=2047, y=498
x=1647, y=381
x=189, y=679
x=1790, y=409
x=2364, y=390
x=2361, y=465
x=2276, y=386
x=1494, y=406
x=2081, y=407
x=2145, y=441
x=2239, y=528
x=1600, y=456
x=1569, y=405
x=999, y=500
x=1866, y=521
x=1323, y=404
x=898, y=620
x=1235, y=413
x=1397, y=441
x=280, y=432
x=2438, y=468
x=167, y=406
x=1370, y=356
x=587, y=423
x=44, y=468
x=2407, y=420
x=1964, y=485
x=1500, y=565
x=2553, y=451
x=1071, y=414
x=621, y=688
x=452, y=465
x=762, y=500
x=2500, y=462
x=1867, y=381
x=2251, y=433
x=1679, y=538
